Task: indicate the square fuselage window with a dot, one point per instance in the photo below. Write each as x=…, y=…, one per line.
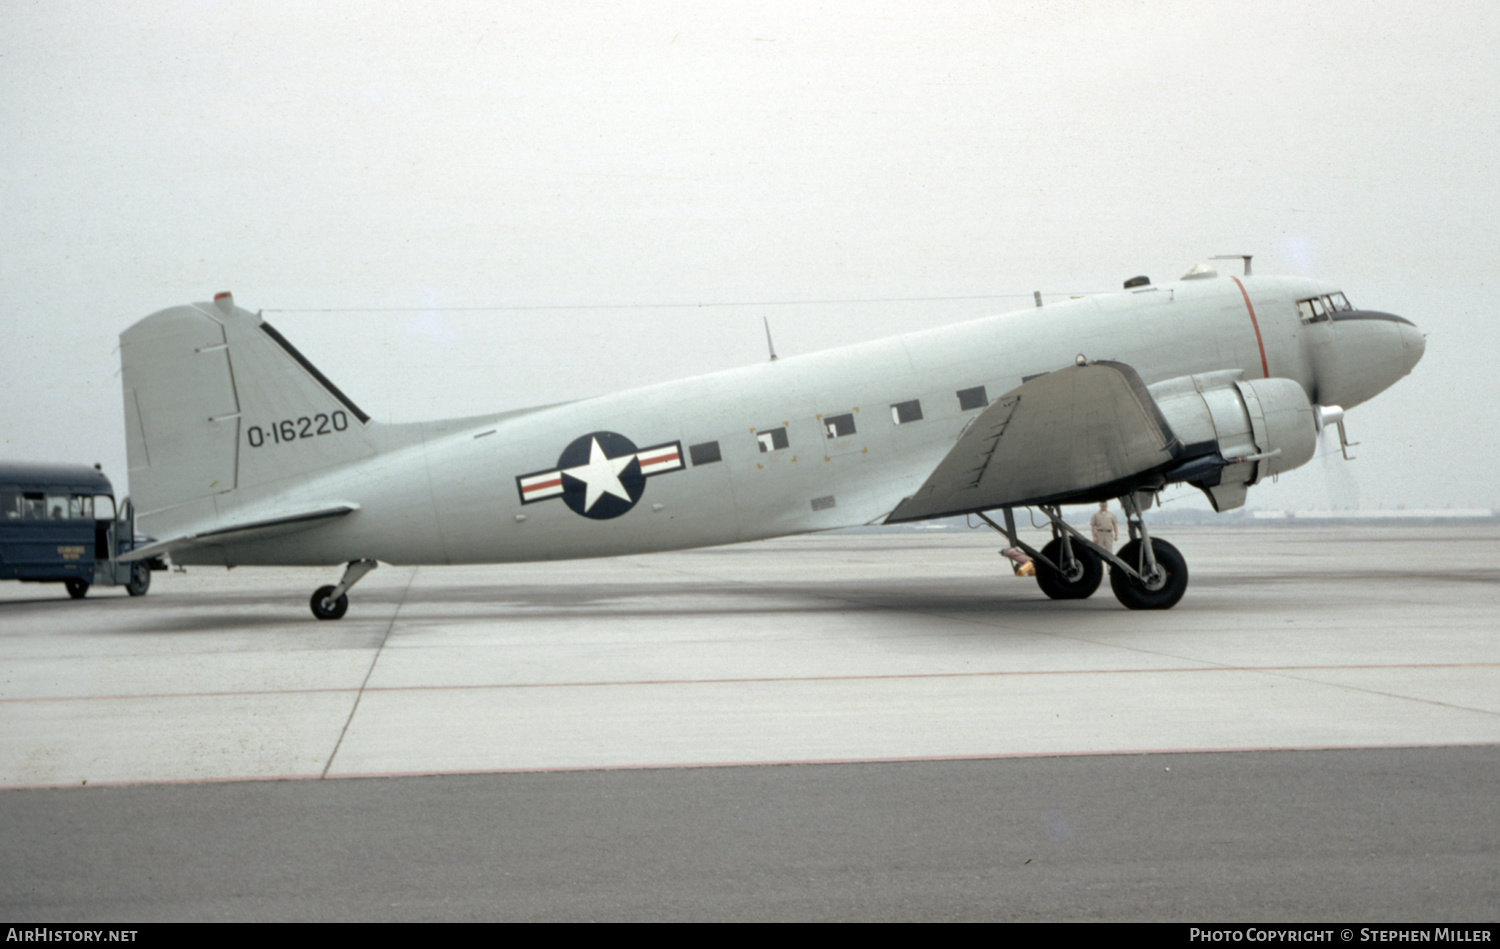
x=771, y=439
x=974, y=398
x=705, y=454
x=839, y=426
x=904, y=412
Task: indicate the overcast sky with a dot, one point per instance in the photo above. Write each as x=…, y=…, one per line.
x=653, y=162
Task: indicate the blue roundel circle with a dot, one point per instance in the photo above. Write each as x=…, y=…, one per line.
x=601, y=475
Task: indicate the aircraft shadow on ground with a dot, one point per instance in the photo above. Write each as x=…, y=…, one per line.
x=476, y=602
x=229, y=611
x=211, y=611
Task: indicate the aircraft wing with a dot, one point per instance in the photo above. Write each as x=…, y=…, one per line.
x=274, y=526
x=1081, y=433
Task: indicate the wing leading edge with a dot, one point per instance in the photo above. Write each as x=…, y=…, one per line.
x=1080, y=433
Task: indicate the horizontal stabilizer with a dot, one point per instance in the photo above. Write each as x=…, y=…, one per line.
x=1058, y=437
x=276, y=526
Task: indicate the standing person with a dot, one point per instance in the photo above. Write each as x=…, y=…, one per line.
x=1105, y=527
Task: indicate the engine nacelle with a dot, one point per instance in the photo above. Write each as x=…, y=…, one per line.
x=1236, y=432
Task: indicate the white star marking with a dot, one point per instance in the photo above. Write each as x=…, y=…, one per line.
x=601, y=475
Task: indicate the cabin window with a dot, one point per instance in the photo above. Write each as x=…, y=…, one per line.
x=1338, y=303
x=771, y=439
x=839, y=426
x=903, y=412
x=822, y=504
x=969, y=399
x=706, y=453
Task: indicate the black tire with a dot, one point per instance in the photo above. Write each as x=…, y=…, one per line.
x=334, y=610
x=1056, y=586
x=77, y=589
x=140, y=579
x=1135, y=595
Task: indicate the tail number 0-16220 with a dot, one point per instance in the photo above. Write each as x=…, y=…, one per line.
x=290, y=430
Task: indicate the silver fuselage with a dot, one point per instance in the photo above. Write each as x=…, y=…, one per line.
x=448, y=492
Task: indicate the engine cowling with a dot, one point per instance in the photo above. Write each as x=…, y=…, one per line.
x=1236, y=432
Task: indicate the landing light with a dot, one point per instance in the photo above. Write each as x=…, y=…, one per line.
x=1327, y=415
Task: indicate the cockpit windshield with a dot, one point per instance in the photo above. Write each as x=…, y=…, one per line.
x=1321, y=308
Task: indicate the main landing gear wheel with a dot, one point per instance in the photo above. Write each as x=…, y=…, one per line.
x=1161, y=589
x=1078, y=583
x=140, y=579
x=324, y=608
x=77, y=589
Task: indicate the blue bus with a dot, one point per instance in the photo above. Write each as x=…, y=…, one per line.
x=60, y=524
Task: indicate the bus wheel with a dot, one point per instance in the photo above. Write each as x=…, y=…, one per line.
x=77, y=589
x=140, y=579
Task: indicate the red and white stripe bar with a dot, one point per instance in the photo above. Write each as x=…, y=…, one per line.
x=656, y=460
x=545, y=485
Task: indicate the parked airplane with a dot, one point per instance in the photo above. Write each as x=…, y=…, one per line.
x=242, y=452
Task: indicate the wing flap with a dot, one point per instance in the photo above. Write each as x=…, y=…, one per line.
x=1058, y=436
x=274, y=526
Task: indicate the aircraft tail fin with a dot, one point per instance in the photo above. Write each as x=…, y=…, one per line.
x=218, y=402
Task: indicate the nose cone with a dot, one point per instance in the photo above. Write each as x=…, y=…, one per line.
x=1362, y=354
x=1415, y=344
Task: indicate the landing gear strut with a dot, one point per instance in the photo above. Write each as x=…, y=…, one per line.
x=333, y=602
x=1146, y=574
x=1077, y=573
x=1157, y=574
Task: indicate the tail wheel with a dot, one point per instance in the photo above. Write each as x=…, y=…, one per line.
x=77, y=589
x=323, y=609
x=1087, y=573
x=140, y=579
x=1161, y=590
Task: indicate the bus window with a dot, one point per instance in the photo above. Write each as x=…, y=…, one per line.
x=81, y=507
x=10, y=505
x=104, y=507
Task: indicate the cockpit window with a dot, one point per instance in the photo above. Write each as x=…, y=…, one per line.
x=1312, y=310
x=1320, y=309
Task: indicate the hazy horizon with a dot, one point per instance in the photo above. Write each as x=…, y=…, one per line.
x=465, y=208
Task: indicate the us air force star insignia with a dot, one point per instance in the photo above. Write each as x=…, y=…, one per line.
x=600, y=475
